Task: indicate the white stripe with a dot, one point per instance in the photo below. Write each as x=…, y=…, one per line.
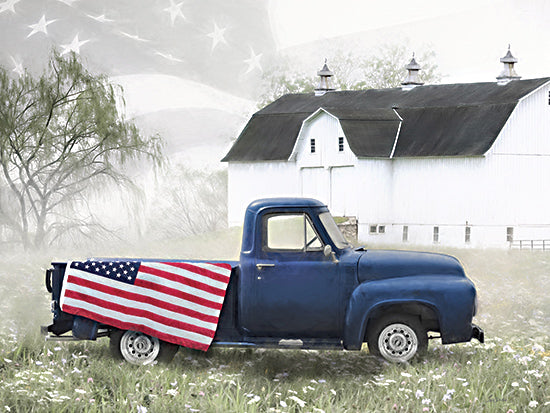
x=139, y=290
x=214, y=268
x=179, y=286
x=139, y=320
x=188, y=274
x=142, y=306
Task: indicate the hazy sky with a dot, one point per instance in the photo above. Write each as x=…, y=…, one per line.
x=468, y=36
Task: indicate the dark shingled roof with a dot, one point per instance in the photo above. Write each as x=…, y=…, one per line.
x=438, y=120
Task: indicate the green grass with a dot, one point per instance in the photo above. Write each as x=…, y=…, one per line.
x=510, y=371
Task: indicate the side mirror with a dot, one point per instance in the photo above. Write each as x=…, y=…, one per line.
x=327, y=251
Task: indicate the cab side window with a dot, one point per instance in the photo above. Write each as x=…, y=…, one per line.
x=290, y=232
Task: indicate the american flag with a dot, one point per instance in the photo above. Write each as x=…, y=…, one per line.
x=178, y=302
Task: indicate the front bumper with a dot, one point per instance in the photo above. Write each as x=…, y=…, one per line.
x=478, y=333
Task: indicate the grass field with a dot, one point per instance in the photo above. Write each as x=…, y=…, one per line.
x=510, y=372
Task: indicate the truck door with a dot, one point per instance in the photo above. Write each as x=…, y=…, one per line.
x=295, y=287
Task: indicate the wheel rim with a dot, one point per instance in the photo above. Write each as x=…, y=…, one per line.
x=139, y=348
x=398, y=343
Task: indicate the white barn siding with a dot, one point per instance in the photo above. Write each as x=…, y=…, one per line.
x=248, y=181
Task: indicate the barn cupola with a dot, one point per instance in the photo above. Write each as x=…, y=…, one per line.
x=508, y=72
x=325, y=81
x=412, y=79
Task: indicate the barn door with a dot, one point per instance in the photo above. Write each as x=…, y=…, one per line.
x=316, y=184
x=343, y=191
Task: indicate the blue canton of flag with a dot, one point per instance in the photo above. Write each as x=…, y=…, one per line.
x=123, y=271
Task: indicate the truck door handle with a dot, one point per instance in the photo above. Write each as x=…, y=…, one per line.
x=260, y=266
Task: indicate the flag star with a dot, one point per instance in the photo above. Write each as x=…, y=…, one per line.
x=41, y=26
x=96, y=269
x=74, y=46
x=87, y=266
x=103, y=266
x=132, y=269
x=127, y=263
x=118, y=275
x=175, y=11
x=253, y=61
x=129, y=277
x=133, y=36
x=121, y=265
x=125, y=272
x=76, y=264
x=93, y=264
x=8, y=5
x=108, y=272
x=111, y=264
x=100, y=19
x=217, y=36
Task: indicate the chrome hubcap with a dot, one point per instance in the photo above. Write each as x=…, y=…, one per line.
x=398, y=342
x=139, y=348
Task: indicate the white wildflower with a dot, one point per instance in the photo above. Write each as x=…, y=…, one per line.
x=537, y=348
x=81, y=391
x=406, y=374
x=254, y=399
x=298, y=400
x=333, y=391
x=141, y=409
x=533, y=404
x=172, y=392
x=515, y=384
x=283, y=403
x=507, y=349
x=419, y=394
x=426, y=401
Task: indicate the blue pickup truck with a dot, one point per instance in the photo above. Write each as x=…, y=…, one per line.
x=298, y=284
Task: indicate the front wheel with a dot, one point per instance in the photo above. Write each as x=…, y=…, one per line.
x=397, y=338
x=139, y=348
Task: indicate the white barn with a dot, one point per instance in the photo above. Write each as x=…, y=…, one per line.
x=457, y=164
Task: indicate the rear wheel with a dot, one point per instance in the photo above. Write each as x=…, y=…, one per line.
x=397, y=338
x=139, y=348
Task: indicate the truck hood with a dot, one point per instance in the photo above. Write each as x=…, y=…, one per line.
x=381, y=264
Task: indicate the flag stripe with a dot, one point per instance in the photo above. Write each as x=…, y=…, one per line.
x=183, y=278
x=73, y=297
x=178, y=293
x=116, y=322
x=204, y=269
x=188, y=273
x=128, y=298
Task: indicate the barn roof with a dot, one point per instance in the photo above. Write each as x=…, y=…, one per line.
x=438, y=120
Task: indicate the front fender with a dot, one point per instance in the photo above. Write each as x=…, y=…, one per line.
x=451, y=299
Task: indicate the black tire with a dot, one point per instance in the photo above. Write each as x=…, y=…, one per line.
x=398, y=338
x=121, y=346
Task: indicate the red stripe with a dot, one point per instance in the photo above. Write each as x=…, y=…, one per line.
x=177, y=293
x=114, y=322
x=182, y=280
x=141, y=298
x=139, y=312
x=201, y=271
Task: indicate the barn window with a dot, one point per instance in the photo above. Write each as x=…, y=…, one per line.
x=510, y=234
x=340, y=144
x=381, y=229
x=467, y=234
x=405, y=233
x=436, y=234
x=549, y=97
x=312, y=145
x=372, y=229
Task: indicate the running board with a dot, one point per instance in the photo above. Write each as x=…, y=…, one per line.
x=268, y=342
x=52, y=337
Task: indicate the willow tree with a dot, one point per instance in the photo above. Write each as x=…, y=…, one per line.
x=61, y=135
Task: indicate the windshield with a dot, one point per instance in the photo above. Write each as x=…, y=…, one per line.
x=333, y=230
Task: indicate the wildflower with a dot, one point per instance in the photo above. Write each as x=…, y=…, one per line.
x=515, y=384
x=533, y=404
x=283, y=403
x=321, y=381
x=333, y=391
x=421, y=379
x=419, y=394
x=90, y=380
x=141, y=409
x=425, y=409
x=80, y=391
x=8, y=409
x=537, y=348
x=254, y=399
x=172, y=392
x=201, y=393
x=426, y=401
x=174, y=384
x=298, y=400
x=507, y=349
x=406, y=374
